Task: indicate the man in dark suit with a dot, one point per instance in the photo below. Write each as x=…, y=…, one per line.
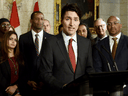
x=106, y=47
x=58, y=67
x=31, y=50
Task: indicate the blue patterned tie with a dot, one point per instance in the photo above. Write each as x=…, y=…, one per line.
x=37, y=44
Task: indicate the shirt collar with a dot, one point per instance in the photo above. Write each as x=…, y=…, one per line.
x=103, y=37
x=67, y=38
x=118, y=36
x=40, y=33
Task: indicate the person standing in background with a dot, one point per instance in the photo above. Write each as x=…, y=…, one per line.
x=4, y=27
x=12, y=68
x=31, y=49
x=100, y=27
x=115, y=49
x=46, y=26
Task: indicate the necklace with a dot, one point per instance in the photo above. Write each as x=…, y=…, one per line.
x=15, y=65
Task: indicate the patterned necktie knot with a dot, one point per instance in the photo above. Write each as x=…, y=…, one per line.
x=114, y=39
x=37, y=35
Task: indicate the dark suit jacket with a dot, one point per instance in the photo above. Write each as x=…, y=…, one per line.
x=5, y=77
x=56, y=69
x=100, y=63
x=27, y=48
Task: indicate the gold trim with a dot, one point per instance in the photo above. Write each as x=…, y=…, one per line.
x=96, y=3
x=57, y=23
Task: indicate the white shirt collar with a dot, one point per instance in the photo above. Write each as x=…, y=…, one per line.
x=103, y=37
x=67, y=38
x=118, y=37
x=40, y=33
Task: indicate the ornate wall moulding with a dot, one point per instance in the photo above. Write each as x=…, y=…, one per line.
x=8, y=4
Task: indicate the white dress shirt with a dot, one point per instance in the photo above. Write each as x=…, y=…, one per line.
x=111, y=41
x=40, y=37
x=74, y=43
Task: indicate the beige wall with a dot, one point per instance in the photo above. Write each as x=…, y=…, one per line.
x=25, y=8
x=116, y=8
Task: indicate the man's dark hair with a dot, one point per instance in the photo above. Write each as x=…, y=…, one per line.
x=4, y=20
x=60, y=27
x=32, y=15
x=70, y=7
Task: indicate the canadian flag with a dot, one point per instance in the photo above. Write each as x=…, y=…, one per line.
x=36, y=7
x=14, y=20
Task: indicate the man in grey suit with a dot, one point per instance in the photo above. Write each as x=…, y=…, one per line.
x=57, y=68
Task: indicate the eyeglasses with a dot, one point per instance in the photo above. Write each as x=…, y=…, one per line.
x=100, y=26
x=115, y=23
x=4, y=25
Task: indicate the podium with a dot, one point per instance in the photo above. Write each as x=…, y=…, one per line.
x=97, y=81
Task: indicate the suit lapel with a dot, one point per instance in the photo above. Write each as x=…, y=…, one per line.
x=44, y=38
x=30, y=40
x=62, y=47
x=106, y=47
x=79, y=46
x=120, y=45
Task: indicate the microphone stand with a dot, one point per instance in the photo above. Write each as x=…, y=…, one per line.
x=112, y=58
x=105, y=59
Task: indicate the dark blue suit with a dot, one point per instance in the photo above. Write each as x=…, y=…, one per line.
x=32, y=61
x=121, y=58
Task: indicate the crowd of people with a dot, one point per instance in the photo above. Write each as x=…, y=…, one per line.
x=41, y=64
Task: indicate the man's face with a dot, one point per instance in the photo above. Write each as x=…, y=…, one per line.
x=113, y=26
x=100, y=28
x=70, y=23
x=46, y=26
x=4, y=27
x=37, y=21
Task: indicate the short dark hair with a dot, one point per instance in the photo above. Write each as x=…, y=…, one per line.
x=32, y=15
x=60, y=27
x=4, y=20
x=70, y=7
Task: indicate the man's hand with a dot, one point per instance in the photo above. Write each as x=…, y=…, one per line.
x=33, y=84
x=11, y=89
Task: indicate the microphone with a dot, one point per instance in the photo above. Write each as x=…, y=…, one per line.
x=112, y=58
x=105, y=59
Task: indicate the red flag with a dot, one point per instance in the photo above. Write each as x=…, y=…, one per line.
x=36, y=7
x=14, y=20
